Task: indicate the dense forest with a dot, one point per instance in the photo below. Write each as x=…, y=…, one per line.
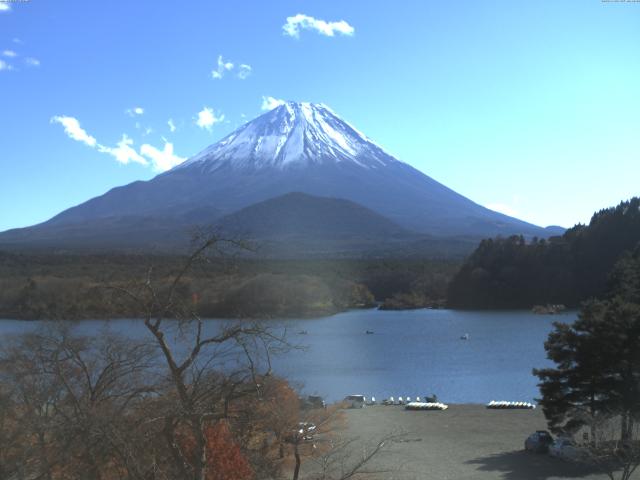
x=515, y=273
x=41, y=286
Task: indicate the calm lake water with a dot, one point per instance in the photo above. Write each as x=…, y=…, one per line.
x=410, y=353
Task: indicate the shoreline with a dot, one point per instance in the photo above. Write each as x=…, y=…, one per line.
x=300, y=316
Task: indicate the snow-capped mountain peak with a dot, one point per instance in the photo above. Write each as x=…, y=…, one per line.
x=292, y=134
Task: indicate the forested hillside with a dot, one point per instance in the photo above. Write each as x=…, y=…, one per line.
x=51, y=286
x=513, y=273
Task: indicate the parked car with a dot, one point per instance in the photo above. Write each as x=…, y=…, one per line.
x=538, y=442
x=311, y=402
x=356, y=401
x=566, y=449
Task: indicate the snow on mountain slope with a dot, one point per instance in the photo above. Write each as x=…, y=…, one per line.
x=296, y=147
x=292, y=135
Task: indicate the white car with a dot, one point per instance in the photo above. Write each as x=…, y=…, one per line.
x=566, y=449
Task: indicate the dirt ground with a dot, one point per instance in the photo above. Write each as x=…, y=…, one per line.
x=463, y=442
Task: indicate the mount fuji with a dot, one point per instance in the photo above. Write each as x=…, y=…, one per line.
x=296, y=147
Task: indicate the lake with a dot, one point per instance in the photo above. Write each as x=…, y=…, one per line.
x=410, y=353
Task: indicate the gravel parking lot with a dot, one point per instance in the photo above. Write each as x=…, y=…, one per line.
x=463, y=442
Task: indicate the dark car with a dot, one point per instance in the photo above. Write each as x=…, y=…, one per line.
x=538, y=442
x=316, y=401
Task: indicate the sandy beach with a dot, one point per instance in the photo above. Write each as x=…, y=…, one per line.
x=463, y=442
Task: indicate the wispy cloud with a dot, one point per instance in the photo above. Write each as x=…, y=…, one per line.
x=4, y=66
x=16, y=40
x=222, y=67
x=305, y=22
x=73, y=129
x=244, y=71
x=269, y=103
x=164, y=159
x=511, y=207
x=172, y=126
x=12, y=54
x=4, y=6
x=132, y=112
x=207, y=118
x=124, y=151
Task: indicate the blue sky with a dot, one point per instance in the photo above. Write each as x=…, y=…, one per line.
x=531, y=108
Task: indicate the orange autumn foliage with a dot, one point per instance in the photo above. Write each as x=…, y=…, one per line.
x=225, y=459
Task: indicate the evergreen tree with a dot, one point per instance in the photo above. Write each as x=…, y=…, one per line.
x=512, y=273
x=597, y=359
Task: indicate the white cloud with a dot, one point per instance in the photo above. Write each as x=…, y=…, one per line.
x=304, y=22
x=223, y=67
x=162, y=160
x=244, y=71
x=9, y=53
x=4, y=6
x=32, y=62
x=503, y=208
x=17, y=40
x=172, y=126
x=207, y=118
x=123, y=152
x=73, y=130
x=269, y=103
x=5, y=66
x=132, y=112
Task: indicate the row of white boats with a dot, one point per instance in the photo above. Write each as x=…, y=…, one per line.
x=510, y=405
x=426, y=406
x=429, y=403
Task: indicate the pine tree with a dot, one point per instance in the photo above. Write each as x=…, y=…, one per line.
x=597, y=359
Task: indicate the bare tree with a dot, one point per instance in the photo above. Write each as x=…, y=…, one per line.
x=331, y=456
x=207, y=369
x=349, y=458
x=614, y=445
x=72, y=397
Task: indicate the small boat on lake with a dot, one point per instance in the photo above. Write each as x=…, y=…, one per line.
x=464, y=337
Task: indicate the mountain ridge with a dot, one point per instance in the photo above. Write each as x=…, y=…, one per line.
x=297, y=147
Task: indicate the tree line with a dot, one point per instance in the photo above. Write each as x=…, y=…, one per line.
x=516, y=273
x=51, y=286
